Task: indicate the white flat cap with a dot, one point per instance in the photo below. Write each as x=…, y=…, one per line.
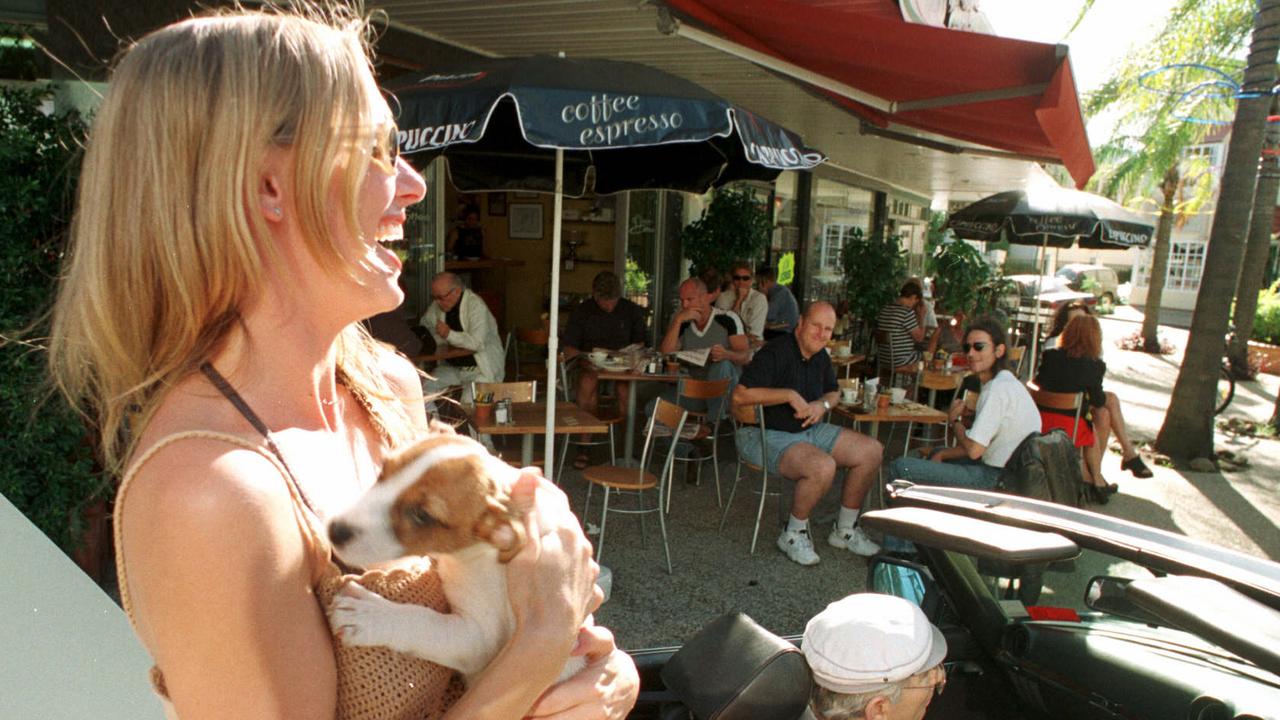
x=863, y=642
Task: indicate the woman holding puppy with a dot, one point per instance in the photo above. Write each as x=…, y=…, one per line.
x=239, y=179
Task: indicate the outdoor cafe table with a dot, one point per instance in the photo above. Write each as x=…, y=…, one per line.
x=442, y=352
x=632, y=377
x=530, y=418
x=847, y=361
x=904, y=412
x=935, y=380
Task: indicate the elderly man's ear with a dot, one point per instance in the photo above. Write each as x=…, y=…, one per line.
x=878, y=708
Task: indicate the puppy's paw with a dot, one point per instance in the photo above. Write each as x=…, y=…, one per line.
x=362, y=617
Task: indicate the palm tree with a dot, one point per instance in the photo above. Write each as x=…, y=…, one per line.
x=1188, y=424
x=1145, y=161
x=1253, y=269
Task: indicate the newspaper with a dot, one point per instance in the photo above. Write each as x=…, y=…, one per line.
x=694, y=357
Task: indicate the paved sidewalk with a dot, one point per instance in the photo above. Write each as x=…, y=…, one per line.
x=1234, y=509
x=715, y=574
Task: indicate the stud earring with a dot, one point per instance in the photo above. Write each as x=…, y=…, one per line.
x=277, y=212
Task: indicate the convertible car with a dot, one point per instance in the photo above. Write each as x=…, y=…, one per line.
x=1049, y=612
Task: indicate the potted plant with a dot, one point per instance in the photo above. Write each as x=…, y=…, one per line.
x=874, y=267
x=733, y=227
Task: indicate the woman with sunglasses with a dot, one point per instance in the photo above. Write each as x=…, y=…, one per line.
x=1004, y=416
x=748, y=303
x=1063, y=315
x=238, y=187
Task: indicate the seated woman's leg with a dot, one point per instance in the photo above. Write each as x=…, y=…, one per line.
x=1118, y=427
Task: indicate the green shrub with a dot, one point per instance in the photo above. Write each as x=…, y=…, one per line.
x=48, y=471
x=1266, y=324
x=733, y=227
x=874, y=268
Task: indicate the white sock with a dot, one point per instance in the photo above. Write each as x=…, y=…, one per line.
x=795, y=524
x=848, y=518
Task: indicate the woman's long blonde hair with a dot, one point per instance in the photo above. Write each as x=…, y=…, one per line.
x=168, y=244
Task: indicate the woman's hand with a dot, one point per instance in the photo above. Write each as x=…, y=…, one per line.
x=606, y=689
x=551, y=582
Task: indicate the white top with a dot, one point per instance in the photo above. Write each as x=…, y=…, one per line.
x=753, y=311
x=480, y=334
x=1005, y=415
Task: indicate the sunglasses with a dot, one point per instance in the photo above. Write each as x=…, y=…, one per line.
x=742, y=278
x=979, y=346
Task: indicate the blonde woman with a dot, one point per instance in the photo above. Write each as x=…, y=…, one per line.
x=239, y=178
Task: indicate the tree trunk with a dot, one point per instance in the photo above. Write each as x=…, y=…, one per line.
x=1160, y=260
x=1188, y=425
x=1254, y=267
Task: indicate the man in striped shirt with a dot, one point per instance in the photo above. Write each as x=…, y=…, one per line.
x=901, y=320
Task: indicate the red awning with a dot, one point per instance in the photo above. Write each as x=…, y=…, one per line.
x=1012, y=95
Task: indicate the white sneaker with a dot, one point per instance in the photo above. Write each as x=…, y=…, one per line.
x=853, y=540
x=798, y=546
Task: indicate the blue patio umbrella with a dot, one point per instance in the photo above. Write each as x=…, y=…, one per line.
x=1051, y=216
x=565, y=126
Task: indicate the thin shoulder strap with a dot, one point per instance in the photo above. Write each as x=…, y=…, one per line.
x=243, y=408
x=312, y=536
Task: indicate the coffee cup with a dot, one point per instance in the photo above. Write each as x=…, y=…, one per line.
x=849, y=396
x=842, y=351
x=599, y=356
x=898, y=395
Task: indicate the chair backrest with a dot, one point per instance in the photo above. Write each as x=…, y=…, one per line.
x=747, y=414
x=887, y=348
x=1016, y=354
x=524, y=391
x=1058, y=402
x=1048, y=400
x=707, y=390
x=670, y=417
x=533, y=336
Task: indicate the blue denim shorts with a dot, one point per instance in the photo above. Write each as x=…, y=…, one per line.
x=821, y=435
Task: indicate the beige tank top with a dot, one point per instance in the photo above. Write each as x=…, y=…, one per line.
x=373, y=683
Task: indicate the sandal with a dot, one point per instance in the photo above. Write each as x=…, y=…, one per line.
x=1097, y=495
x=1137, y=467
x=581, y=461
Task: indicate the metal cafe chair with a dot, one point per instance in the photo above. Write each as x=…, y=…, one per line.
x=589, y=440
x=751, y=416
x=627, y=479
x=704, y=426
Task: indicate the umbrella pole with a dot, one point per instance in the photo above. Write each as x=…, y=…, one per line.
x=1035, y=331
x=553, y=339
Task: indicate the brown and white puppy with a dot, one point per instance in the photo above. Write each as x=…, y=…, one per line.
x=445, y=497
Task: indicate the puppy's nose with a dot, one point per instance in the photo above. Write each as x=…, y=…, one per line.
x=340, y=533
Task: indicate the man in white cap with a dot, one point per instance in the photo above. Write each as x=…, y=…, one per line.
x=873, y=657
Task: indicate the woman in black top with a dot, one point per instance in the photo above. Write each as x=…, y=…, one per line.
x=1076, y=366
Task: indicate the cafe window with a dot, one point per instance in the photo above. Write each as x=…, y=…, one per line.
x=838, y=210
x=1186, y=267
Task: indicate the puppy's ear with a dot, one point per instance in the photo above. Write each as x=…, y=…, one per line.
x=499, y=527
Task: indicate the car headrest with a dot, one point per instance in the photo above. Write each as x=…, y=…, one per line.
x=733, y=669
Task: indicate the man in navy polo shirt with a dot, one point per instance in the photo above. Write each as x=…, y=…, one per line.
x=793, y=378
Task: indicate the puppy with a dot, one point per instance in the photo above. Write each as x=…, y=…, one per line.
x=448, y=498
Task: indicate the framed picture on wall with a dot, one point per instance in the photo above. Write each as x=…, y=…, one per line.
x=525, y=221
x=497, y=204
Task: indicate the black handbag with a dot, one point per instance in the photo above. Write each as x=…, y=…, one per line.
x=733, y=669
